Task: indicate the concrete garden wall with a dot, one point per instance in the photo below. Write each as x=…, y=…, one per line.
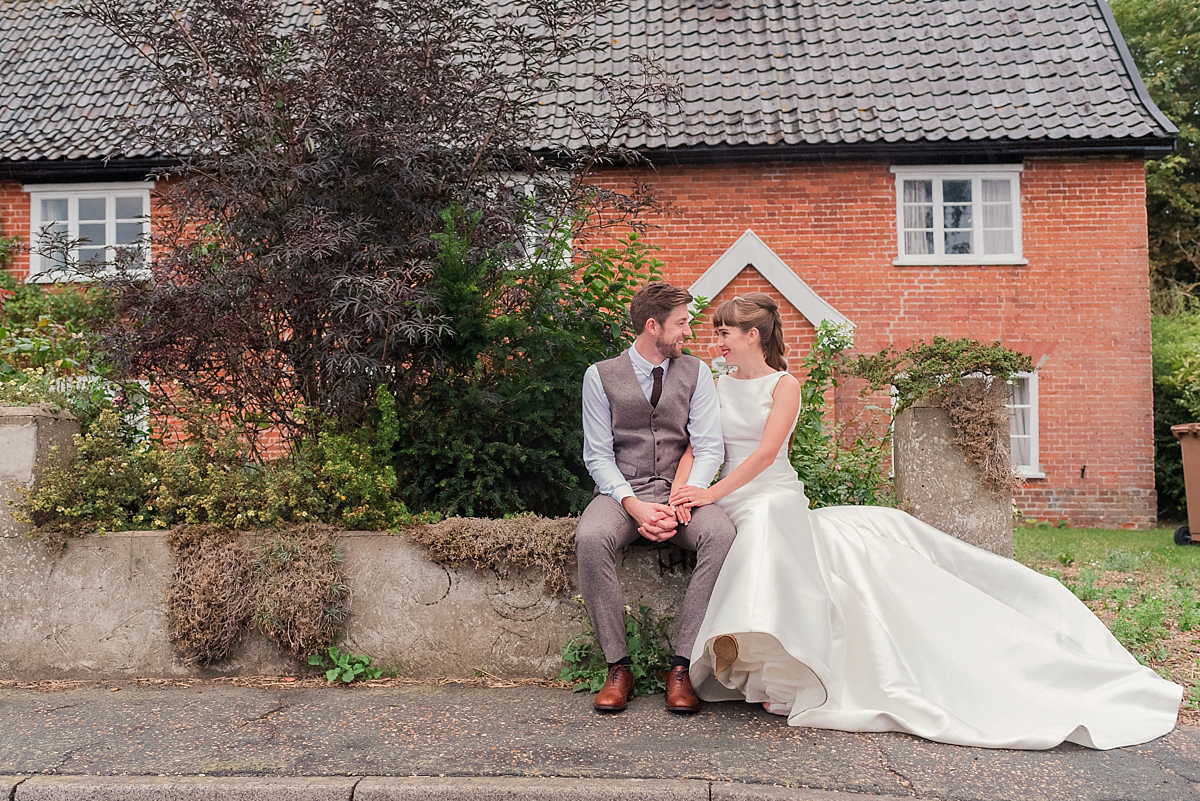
x=97, y=610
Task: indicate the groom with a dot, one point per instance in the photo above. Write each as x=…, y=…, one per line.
x=640, y=411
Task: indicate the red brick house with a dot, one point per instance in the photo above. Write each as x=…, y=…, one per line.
x=917, y=169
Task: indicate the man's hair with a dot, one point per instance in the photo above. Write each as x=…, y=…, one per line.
x=656, y=299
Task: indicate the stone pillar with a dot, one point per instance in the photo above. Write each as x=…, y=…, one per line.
x=935, y=483
x=27, y=435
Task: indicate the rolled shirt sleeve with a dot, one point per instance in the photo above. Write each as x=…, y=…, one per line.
x=598, y=455
x=704, y=430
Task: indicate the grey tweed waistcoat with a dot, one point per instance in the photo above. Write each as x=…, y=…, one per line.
x=648, y=441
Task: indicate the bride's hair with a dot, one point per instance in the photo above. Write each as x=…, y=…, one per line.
x=759, y=312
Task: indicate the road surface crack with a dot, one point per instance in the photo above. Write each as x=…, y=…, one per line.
x=895, y=772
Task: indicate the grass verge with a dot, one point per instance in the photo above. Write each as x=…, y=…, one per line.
x=1143, y=586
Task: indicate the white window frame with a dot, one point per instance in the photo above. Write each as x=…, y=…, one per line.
x=1034, y=468
x=533, y=238
x=40, y=270
x=974, y=173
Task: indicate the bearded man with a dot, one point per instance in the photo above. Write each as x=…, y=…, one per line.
x=641, y=410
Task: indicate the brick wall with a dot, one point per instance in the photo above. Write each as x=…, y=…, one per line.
x=1080, y=306
x=14, y=221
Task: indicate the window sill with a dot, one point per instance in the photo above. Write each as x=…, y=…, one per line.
x=916, y=262
x=1030, y=473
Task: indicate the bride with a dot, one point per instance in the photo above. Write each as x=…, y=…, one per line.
x=867, y=619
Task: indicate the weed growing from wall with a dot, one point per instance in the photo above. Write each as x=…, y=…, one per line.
x=649, y=650
x=519, y=542
x=290, y=585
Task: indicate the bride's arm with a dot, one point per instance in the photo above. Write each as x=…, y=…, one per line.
x=680, y=481
x=785, y=402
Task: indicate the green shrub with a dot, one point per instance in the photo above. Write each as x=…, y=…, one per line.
x=496, y=428
x=120, y=480
x=649, y=650
x=50, y=327
x=106, y=487
x=1176, y=360
x=839, y=463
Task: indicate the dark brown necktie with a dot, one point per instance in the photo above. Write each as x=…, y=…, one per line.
x=656, y=393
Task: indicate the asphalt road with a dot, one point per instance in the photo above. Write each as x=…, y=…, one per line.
x=473, y=734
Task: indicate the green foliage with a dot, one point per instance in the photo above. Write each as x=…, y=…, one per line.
x=85, y=397
x=1164, y=39
x=1139, y=626
x=120, y=480
x=345, y=667
x=836, y=469
x=495, y=427
x=1084, y=586
x=967, y=379
x=353, y=470
x=52, y=328
x=47, y=348
x=649, y=650
x=1188, y=604
x=1176, y=358
x=930, y=369
x=106, y=487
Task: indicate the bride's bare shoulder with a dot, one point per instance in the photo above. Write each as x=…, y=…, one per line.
x=788, y=382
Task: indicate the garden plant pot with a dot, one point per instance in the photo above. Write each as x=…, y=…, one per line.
x=1188, y=435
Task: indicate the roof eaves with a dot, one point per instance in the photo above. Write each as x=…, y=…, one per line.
x=945, y=151
x=1132, y=70
x=84, y=169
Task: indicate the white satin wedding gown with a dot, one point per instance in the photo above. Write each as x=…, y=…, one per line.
x=867, y=619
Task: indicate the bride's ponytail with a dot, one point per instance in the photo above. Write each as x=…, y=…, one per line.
x=756, y=311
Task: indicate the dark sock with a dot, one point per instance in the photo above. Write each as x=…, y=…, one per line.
x=681, y=661
x=626, y=661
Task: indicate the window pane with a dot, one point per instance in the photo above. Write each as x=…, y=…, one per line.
x=1022, y=451
x=918, y=216
x=129, y=207
x=54, y=209
x=918, y=191
x=997, y=216
x=958, y=216
x=91, y=255
x=956, y=191
x=958, y=242
x=92, y=232
x=996, y=191
x=129, y=233
x=91, y=208
x=997, y=243
x=918, y=243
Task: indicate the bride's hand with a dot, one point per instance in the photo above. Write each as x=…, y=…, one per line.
x=691, y=497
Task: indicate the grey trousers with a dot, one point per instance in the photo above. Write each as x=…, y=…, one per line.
x=605, y=528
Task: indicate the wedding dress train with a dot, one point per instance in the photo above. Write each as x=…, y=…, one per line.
x=867, y=619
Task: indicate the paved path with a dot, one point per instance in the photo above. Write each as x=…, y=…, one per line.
x=465, y=742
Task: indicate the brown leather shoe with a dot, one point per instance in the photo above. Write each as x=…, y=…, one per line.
x=680, y=695
x=617, y=691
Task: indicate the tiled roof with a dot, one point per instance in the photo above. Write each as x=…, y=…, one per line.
x=753, y=74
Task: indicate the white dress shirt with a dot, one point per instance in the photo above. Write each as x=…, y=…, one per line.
x=704, y=428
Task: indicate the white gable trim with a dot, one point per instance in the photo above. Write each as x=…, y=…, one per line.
x=749, y=250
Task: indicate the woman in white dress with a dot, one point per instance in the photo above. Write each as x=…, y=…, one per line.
x=867, y=619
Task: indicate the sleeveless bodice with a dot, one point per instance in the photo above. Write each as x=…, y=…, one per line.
x=745, y=407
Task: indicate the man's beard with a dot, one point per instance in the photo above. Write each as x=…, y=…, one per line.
x=668, y=349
